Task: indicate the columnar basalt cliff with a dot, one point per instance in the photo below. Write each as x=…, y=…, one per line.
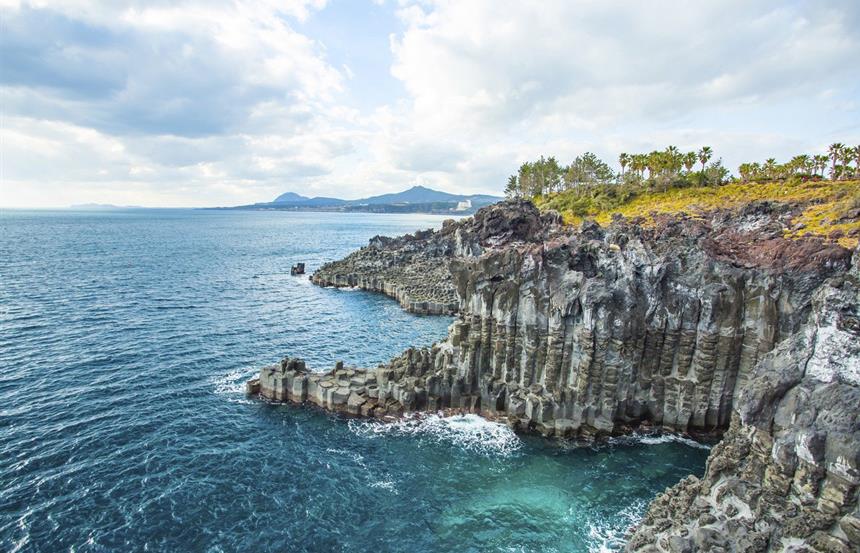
x=787, y=474
x=689, y=324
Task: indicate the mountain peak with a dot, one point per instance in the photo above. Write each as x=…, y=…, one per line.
x=291, y=197
x=415, y=195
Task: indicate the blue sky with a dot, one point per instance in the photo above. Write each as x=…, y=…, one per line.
x=202, y=103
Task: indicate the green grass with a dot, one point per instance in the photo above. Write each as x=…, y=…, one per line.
x=825, y=205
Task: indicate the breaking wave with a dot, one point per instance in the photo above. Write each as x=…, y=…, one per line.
x=469, y=432
x=668, y=438
x=605, y=535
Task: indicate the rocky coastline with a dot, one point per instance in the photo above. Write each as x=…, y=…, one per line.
x=412, y=269
x=696, y=325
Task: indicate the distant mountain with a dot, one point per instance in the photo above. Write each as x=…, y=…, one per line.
x=291, y=197
x=415, y=195
x=417, y=199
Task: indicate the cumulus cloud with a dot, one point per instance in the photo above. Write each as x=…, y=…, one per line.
x=505, y=66
x=223, y=102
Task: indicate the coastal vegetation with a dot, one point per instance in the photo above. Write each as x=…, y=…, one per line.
x=671, y=182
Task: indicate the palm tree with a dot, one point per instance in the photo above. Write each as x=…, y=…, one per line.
x=755, y=170
x=835, y=153
x=689, y=161
x=623, y=160
x=857, y=161
x=704, y=156
x=673, y=159
x=770, y=168
x=654, y=163
x=637, y=164
x=745, y=170
x=820, y=163
x=847, y=158
x=800, y=164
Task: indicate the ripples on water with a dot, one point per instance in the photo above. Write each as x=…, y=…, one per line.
x=125, y=341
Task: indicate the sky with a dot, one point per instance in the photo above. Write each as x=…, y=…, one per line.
x=209, y=103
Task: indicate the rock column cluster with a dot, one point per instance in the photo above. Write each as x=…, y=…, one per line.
x=787, y=474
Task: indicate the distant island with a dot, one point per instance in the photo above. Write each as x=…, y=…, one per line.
x=417, y=199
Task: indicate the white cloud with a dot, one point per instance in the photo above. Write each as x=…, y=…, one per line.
x=218, y=103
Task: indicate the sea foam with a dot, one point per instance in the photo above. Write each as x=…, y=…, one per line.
x=469, y=432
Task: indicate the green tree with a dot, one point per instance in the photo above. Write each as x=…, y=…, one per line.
x=623, y=160
x=820, y=161
x=847, y=158
x=512, y=189
x=673, y=160
x=689, y=161
x=856, y=150
x=835, y=152
x=638, y=164
x=654, y=162
x=800, y=164
x=704, y=156
x=770, y=168
x=587, y=169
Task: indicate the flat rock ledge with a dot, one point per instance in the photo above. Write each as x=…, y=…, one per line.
x=385, y=392
x=359, y=392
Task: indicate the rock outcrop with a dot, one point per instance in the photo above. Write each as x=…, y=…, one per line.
x=414, y=268
x=787, y=474
x=692, y=325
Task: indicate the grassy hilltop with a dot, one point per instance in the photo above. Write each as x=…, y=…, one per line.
x=674, y=182
x=829, y=209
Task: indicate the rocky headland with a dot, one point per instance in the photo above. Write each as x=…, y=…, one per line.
x=703, y=325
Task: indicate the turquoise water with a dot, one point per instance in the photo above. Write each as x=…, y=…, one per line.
x=125, y=339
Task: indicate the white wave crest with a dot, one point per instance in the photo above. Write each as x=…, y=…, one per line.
x=233, y=383
x=469, y=432
x=388, y=485
x=668, y=438
x=606, y=536
x=656, y=439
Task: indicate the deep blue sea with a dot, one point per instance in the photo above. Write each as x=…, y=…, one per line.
x=125, y=341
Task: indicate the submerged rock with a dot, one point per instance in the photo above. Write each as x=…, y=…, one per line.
x=691, y=325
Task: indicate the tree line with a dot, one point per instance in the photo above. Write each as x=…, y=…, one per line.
x=836, y=163
x=669, y=168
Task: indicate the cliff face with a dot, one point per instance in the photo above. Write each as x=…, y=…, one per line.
x=787, y=474
x=692, y=325
x=585, y=333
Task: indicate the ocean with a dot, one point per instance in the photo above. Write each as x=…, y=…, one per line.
x=125, y=341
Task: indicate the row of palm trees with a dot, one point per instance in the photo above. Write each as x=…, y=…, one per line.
x=667, y=164
x=837, y=162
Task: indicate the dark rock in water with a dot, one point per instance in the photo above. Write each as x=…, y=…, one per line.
x=297, y=269
x=691, y=325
